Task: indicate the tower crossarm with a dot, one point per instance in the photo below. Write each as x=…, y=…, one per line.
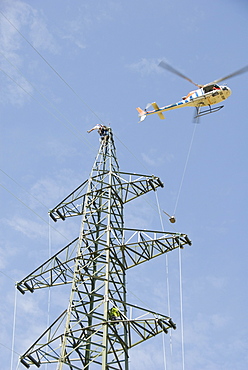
x=56, y=270
x=143, y=245
x=125, y=187
x=138, y=324
x=47, y=347
x=140, y=246
x=136, y=185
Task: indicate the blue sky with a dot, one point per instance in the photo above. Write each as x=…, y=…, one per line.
x=71, y=65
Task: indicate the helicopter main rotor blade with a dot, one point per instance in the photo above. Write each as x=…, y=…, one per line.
x=173, y=70
x=239, y=72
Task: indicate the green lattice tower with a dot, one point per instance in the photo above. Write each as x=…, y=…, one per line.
x=85, y=336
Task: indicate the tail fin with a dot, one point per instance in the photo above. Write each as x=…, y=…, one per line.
x=142, y=114
x=156, y=107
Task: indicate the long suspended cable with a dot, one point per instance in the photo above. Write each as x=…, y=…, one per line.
x=78, y=96
x=167, y=284
x=54, y=70
x=47, y=222
x=18, y=363
x=12, y=354
x=168, y=295
x=32, y=211
x=10, y=349
x=49, y=288
x=77, y=134
x=13, y=332
x=11, y=178
x=125, y=146
x=164, y=352
x=181, y=307
x=9, y=277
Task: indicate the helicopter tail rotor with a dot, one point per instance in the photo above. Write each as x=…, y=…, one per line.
x=142, y=114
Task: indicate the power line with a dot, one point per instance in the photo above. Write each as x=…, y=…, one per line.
x=84, y=102
x=53, y=69
x=76, y=133
x=65, y=82
x=32, y=211
x=11, y=178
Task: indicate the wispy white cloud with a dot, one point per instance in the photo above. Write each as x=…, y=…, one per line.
x=21, y=18
x=40, y=36
x=197, y=336
x=217, y=282
x=155, y=158
x=144, y=357
x=20, y=24
x=52, y=189
x=31, y=229
x=7, y=250
x=139, y=214
x=77, y=30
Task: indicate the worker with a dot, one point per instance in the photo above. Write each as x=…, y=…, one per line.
x=102, y=131
x=114, y=313
x=104, y=135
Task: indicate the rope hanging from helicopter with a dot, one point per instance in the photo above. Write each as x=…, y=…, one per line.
x=184, y=170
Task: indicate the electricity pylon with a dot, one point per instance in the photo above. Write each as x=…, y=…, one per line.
x=85, y=335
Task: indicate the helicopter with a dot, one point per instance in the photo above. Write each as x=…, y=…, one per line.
x=205, y=96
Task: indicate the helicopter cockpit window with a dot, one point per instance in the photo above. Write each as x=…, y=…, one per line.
x=209, y=88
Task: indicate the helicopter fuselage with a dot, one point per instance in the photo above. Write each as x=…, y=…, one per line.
x=205, y=96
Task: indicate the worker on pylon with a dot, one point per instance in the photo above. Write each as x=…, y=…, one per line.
x=104, y=134
x=102, y=131
x=114, y=313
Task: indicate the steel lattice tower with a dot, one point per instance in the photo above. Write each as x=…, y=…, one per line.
x=84, y=336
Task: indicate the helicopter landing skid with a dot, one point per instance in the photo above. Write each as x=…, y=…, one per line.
x=207, y=111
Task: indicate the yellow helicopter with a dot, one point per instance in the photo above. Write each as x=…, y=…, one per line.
x=205, y=95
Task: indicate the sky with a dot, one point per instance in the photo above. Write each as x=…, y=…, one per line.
x=66, y=66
